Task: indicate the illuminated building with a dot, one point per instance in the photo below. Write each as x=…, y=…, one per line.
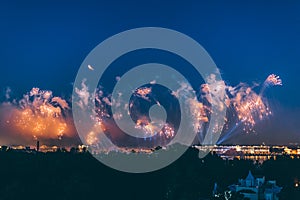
x=257, y=153
x=256, y=188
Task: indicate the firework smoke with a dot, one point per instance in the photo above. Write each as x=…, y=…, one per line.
x=244, y=107
x=248, y=106
x=41, y=116
x=37, y=116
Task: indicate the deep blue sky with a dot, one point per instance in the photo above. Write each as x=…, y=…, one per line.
x=44, y=42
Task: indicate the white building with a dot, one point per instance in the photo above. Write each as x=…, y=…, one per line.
x=256, y=188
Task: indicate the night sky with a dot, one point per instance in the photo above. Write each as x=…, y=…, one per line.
x=43, y=44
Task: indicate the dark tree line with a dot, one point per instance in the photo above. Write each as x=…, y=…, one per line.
x=65, y=175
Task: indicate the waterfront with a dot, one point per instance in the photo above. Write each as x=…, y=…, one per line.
x=257, y=153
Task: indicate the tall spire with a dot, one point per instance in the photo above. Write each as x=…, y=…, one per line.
x=37, y=145
x=250, y=176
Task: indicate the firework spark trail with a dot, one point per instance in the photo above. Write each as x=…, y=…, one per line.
x=197, y=110
x=146, y=94
x=213, y=100
x=101, y=115
x=153, y=128
x=146, y=126
x=143, y=92
x=249, y=106
x=272, y=80
x=38, y=115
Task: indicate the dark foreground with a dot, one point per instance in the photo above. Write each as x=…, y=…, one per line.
x=79, y=176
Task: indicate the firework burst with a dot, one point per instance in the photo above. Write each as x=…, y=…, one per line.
x=39, y=115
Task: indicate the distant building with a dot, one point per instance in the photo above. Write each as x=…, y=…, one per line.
x=256, y=188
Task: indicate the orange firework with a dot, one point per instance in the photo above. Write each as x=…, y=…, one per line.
x=40, y=116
